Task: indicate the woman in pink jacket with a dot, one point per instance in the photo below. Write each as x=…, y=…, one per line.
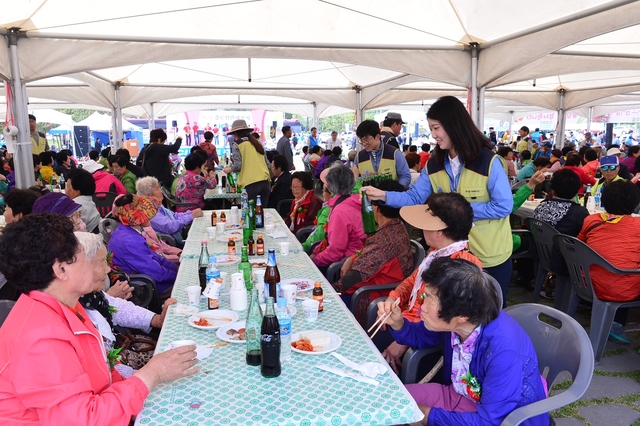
x=53, y=366
x=344, y=233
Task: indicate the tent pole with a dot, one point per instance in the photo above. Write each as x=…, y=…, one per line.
x=117, y=130
x=481, y=109
x=23, y=160
x=561, y=120
x=510, y=126
x=315, y=115
x=359, y=116
x=152, y=116
x=590, y=119
x=474, y=84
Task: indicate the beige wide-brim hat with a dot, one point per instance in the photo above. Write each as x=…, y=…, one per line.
x=239, y=125
x=421, y=217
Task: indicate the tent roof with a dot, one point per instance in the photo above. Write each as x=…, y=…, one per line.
x=324, y=51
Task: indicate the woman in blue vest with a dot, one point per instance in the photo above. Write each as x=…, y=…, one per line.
x=463, y=161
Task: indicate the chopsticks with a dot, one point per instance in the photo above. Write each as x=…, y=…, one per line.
x=380, y=321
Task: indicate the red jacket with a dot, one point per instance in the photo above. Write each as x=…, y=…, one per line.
x=53, y=369
x=106, y=182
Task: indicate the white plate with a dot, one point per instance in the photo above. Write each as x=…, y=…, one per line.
x=226, y=260
x=222, y=331
x=292, y=309
x=303, y=284
x=225, y=238
x=335, y=343
x=258, y=260
x=233, y=233
x=211, y=317
x=201, y=351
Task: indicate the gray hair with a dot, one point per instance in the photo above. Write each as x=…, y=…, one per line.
x=89, y=242
x=146, y=185
x=340, y=179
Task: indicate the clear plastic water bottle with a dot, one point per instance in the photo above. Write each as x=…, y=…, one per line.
x=284, y=318
x=597, y=199
x=213, y=271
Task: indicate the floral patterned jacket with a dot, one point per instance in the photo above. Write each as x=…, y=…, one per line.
x=191, y=187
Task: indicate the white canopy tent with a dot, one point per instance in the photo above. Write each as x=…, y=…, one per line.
x=347, y=54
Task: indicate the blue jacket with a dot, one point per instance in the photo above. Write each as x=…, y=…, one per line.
x=504, y=362
x=132, y=253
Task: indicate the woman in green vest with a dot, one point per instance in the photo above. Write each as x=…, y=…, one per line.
x=250, y=162
x=463, y=161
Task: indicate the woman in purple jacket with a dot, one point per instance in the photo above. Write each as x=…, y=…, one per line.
x=129, y=246
x=490, y=364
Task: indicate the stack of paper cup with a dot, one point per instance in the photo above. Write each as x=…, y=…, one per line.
x=238, y=292
x=235, y=219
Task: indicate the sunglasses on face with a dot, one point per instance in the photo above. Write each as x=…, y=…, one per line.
x=609, y=168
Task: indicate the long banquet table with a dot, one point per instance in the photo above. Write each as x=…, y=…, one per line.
x=227, y=391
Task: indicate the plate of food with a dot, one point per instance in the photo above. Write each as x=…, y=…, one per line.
x=258, y=263
x=232, y=333
x=227, y=260
x=292, y=309
x=225, y=238
x=233, y=233
x=302, y=284
x=315, y=342
x=213, y=319
x=534, y=202
x=233, y=226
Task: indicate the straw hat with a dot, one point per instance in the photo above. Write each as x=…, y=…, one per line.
x=420, y=216
x=239, y=125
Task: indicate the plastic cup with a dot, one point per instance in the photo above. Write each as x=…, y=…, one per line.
x=310, y=309
x=223, y=275
x=178, y=343
x=193, y=294
x=268, y=227
x=289, y=292
x=211, y=232
x=284, y=248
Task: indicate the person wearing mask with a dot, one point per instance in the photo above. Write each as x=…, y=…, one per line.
x=464, y=162
x=250, y=162
x=377, y=157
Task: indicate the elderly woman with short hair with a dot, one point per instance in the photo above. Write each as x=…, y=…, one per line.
x=54, y=369
x=306, y=203
x=165, y=221
x=490, y=364
x=345, y=232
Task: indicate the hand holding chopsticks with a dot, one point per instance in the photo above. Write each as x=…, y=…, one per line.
x=382, y=319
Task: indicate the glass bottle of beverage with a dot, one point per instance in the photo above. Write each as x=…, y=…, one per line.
x=284, y=318
x=231, y=247
x=318, y=295
x=245, y=268
x=61, y=182
x=251, y=246
x=252, y=214
x=270, y=343
x=232, y=183
x=252, y=329
x=223, y=217
x=259, y=213
x=247, y=232
x=213, y=273
x=260, y=246
x=272, y=275
x=244, y=197
x=202, y=265
x=368, y=220
x=214, y=218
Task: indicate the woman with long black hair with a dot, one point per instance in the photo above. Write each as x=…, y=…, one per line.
x=463, y=161
x=250, y=162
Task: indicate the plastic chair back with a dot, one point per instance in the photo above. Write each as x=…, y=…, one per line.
x=145, y=292
x=104, y=202
x=5, y=309
x=106, y=227
x=382, y=339
x=364, y=292
x=283, y=207
x=418, y=253
x=333, y=271
x=543, y=235
x=528, y=246
x=303, y=233
x=172, y=203
x=566, y=348
x=518, y=185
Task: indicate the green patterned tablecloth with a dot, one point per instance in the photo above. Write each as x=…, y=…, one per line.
x=217, y=193
x=227, y=391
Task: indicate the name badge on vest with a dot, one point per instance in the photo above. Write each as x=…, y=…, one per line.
x=473, y=193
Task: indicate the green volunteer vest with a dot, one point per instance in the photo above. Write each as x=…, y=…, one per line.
x=387, y=162
x=254, y=168
x=490, y=239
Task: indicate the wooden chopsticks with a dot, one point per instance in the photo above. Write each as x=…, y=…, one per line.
x=381, y=321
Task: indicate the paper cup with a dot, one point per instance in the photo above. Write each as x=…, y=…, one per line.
x=193, y=294
x=310, y=309
x=211, y=232
x=284, y=248
x=178, y=343
x=259, y=275
x=221, y=228
x=268, y=227
x=289, y=293
x=223, y=275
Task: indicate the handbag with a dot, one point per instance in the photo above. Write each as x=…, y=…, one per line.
x=137, y=349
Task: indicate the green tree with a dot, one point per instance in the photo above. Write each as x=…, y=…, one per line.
x=77, y=114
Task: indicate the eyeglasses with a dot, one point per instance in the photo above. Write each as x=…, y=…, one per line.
x=607, y=168
x=296, y=187
x=366, y=139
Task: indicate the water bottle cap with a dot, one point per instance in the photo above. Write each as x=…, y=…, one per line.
x=212, y=259
x=282, y=302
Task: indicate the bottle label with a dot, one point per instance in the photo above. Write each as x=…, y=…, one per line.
x=232, y=250
x=260, y=249
x=320, y=300
x=252, y=334
x=285, y=327
x=270, y=337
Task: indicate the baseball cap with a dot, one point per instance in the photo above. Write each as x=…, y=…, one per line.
x=395, y=117
x=421, y=217
x=609, y=160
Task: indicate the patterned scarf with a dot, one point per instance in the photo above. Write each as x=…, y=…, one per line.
x=96, y=301
x=294, y=211
x=611, y=218
x=433, y=255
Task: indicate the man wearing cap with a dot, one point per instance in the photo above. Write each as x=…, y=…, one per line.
x=378, y=157
x=524, y=139
x=544, y=151
x=391, y=127
x=38, y=139
x=624, y=170
x=633, y=152
x=588, y=140
x=284, y=146
x=610, y=166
